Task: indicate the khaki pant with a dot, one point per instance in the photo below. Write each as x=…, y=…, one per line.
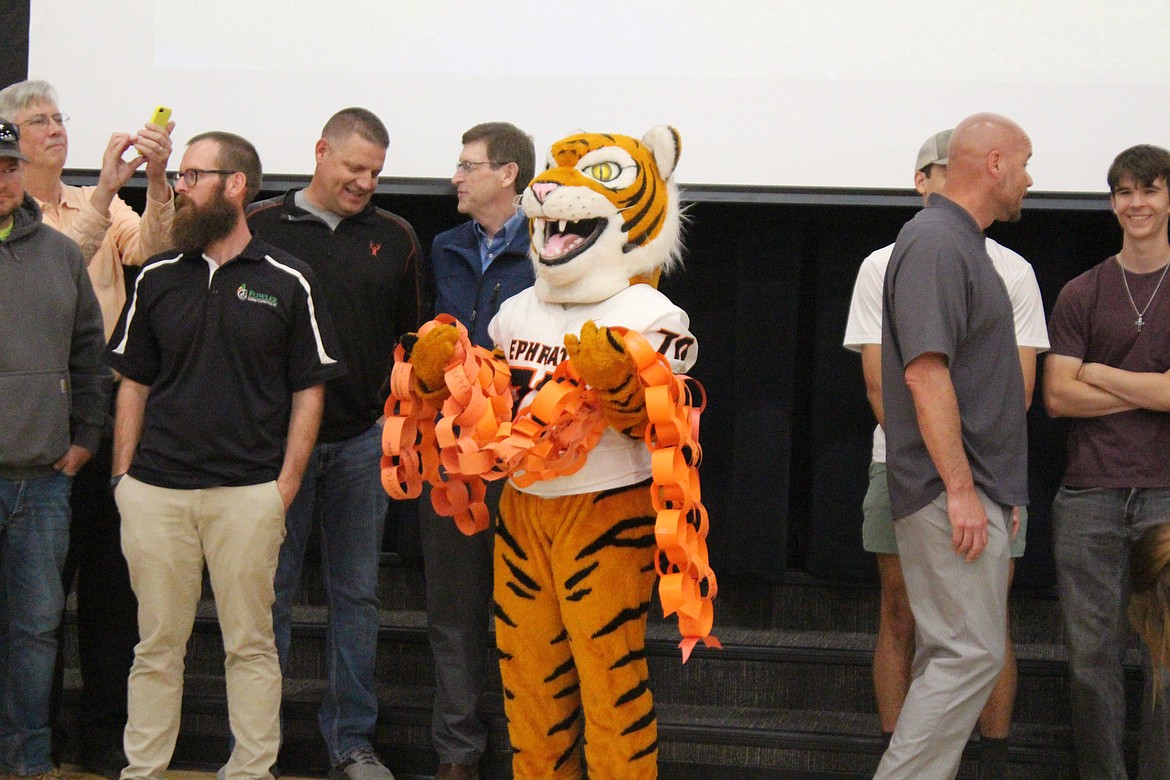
x=167, y=535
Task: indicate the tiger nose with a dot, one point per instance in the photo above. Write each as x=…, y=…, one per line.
x=543, y=189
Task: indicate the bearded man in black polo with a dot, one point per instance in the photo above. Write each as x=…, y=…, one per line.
x=224, y=349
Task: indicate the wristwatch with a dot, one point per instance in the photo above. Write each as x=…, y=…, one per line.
x=114, y=480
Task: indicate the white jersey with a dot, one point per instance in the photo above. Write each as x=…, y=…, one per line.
x=865, y=310
x=531, y=334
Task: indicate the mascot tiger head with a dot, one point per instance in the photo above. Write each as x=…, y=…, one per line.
x=604, y=214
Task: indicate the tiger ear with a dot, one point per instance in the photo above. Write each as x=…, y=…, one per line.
x=665, y=144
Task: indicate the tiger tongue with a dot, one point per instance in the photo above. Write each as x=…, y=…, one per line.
x=560, y=243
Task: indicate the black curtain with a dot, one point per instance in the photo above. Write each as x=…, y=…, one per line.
x=786, y=433
x=740, y=286
x=1060, y=245
x=13, y=41
x=839, y=421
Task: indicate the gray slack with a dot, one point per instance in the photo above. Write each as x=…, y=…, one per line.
x=960, y=610
x=458, y=570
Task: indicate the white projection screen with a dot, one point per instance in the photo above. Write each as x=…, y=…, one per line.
x=765, y=93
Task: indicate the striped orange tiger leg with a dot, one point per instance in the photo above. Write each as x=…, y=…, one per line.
x=603, y=561
x=596, y=555
x=541, y=696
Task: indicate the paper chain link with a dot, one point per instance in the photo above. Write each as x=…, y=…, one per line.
x=473, y=439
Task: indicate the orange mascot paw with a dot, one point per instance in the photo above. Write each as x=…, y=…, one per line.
x=429, y=357
x=603, y=362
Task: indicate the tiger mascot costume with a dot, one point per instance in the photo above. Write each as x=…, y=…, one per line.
x=577, y=546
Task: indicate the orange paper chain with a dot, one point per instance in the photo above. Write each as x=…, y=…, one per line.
x=418, y=436
x=686, y=582
x=473, y=439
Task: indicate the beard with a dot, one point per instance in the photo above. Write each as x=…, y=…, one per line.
x=6, y=213
x=196, y=226
x=1014, y=215
x=11, y=199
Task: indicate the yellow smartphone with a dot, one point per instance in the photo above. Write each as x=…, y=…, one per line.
x=161, y=116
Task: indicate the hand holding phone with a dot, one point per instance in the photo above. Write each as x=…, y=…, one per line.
x=155, y=147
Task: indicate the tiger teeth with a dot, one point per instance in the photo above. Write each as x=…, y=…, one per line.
x=562, y=224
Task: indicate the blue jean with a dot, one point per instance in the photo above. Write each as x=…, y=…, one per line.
x=34, y=538
x=1093, y=530
x=343, y=487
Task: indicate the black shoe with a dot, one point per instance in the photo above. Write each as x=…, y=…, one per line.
x=108, y=762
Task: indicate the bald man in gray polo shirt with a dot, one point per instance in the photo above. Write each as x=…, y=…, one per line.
x=948, y=344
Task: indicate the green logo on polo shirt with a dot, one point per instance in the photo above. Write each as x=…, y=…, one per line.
x=244, y=294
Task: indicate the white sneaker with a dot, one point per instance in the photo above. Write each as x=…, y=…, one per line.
x=361, y=764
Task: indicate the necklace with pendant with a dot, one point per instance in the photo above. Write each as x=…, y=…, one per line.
x=1141, y=314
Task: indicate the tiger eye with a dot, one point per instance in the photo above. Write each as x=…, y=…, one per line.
x=605, y=171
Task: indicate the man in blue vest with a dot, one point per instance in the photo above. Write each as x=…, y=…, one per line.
x=475, y=267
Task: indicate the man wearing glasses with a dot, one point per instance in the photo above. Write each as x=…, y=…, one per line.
x=111, y=235
x=475, y=267
x=370, y=270
x=55, y=392
x=224, y=349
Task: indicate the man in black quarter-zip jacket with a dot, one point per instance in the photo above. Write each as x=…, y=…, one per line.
x=370, y=270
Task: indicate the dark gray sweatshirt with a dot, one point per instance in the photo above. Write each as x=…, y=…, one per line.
x=54, y=387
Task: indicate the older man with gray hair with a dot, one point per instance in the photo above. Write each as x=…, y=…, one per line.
x=111, y=236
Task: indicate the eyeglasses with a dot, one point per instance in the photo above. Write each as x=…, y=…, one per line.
x=190, y=177
x=467, y=166
x=41, y=121
x=9, y=132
